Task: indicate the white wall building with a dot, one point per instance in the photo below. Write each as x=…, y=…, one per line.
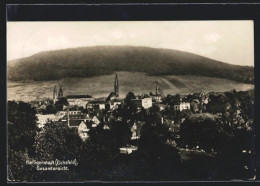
x=127, y=149
x=147, y=102
x=83, y=131
x=61, y=114
x=43, y=119
x=95, y=121
x=182, y=106
x=79, y=100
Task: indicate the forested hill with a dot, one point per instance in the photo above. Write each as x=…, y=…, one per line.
x=100, y=60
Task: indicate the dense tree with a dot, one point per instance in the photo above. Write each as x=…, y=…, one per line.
x=57, y=141
x=79, y=63
x=172, y=99
x=22, y=126
x=200, y=131
x=155, y=159
x=50, y=109
x=22, y=129
x=99, y=153
x=217, y=104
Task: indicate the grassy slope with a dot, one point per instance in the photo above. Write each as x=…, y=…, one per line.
x=139, y=83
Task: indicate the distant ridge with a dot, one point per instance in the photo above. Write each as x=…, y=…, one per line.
x=104, y=60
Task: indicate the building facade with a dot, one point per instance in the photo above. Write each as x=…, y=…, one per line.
x=182, y=106
x=79, y=100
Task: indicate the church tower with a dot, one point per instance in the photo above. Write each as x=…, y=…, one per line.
x=116, y=88
x=157, y=89
x=55, y=96
x=60, y=95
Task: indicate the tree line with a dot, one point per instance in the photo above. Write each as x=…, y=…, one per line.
x=96, y=61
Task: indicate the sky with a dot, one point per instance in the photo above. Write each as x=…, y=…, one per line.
x=227, y=41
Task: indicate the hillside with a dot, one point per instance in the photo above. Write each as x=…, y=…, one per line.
x=105, y=60
x=139, y=83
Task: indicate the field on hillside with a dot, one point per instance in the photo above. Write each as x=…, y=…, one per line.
x=139, y=83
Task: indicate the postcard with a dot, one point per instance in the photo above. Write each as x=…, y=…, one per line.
x=130, y=101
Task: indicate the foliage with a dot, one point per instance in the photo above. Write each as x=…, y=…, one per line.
x=102, y=60
x=57, y=141
x=229, y=135
x=50, y=109
x=99, y=153
x=22, y=126
x=172, y=100
x=22, y=129
x=154, y=159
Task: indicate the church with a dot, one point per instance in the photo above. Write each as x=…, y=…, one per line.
x=83, y=100
x=114, y=95
x=57, y=94
x=157, y=96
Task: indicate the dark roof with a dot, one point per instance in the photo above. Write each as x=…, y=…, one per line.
x=79, y=96
x=116, y=100
x=146, y=96
x=111, y=95
x=77, y=117
x=97, y=102
x=74, y=123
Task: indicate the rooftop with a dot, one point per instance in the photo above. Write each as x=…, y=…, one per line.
x=45, y=117
x=79, y=96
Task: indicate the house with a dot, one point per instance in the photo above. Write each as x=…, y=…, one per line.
x=83, y=130
x=128, y=149
x=136, y=129
x=201, y=96
x=182, y=106
x=162, y=107
x=61, y=114
x=195, y=105
x=74, y=119
x=147, y=102
x=114, y=104
x=95, y=120
x=79, y=100
x=144, y=101
x=106, y=127
x=43, y=119
x=97, y=105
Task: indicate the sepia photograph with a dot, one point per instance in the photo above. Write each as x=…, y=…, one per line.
x=130, y=101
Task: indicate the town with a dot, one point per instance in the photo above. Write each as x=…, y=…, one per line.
x=127, y=133
x=81, y=111
x=84, y=112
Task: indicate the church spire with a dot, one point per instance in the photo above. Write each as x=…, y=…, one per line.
x=116, y=88
x=157, y=89
x=54, y=94
x=60, y=95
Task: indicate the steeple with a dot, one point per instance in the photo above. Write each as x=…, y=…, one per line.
x=54, y=94
x=116, y=88
x=157, y=89
x=60, y=95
